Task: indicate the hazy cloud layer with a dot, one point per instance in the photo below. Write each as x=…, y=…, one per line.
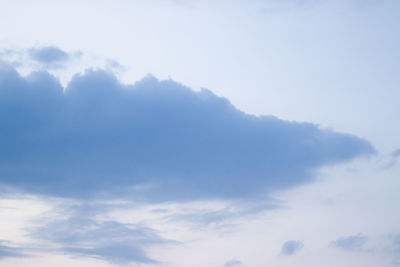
x=291, y=247
x=156, y=140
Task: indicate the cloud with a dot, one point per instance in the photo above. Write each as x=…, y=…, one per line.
x=233, y=263
x=394, y=248
x=154, y=140
x=392, y=159
x=80, y=235
x=114, y=65
x=10, y=252
x=291, y=247
x=396, y=153
x=396, y=243
x=221, y=216
x=48, y=54
x=351, y=243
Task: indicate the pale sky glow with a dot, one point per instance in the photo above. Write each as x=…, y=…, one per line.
x=200, y=133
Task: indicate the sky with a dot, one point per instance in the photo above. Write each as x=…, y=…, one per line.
x=200, y=133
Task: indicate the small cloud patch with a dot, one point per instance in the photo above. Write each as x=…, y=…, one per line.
x=350, y=243
x=233, y=263
x=48, y=54
x=291, y=247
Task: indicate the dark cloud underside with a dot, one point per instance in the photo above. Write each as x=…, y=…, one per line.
x=156, y=140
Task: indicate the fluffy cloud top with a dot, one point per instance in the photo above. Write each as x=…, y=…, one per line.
x=156, y=140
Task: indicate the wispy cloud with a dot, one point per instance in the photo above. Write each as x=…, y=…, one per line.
x=390, y=161
x=78, y=233
x=220, y=216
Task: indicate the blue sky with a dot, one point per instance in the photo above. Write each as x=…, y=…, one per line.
x=211, y=133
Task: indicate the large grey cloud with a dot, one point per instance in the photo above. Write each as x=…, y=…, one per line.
x=156, y=140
